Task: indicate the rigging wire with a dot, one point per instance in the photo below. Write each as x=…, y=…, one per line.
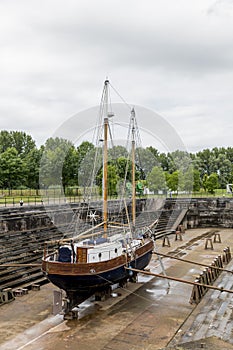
x=106, y=108
x=123, y=100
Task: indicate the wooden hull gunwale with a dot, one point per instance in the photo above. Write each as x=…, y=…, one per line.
x=88, y=278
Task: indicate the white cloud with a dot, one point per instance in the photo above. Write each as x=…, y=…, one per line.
x=172, y=57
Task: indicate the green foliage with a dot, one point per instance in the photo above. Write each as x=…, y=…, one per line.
x=113, y=179
x=145, y=159
x=123, y=166
x=117, y=152
x=196, y=180
x=173, y=180
x=212, y=183
x=22, y=163
x=156, y=179
x=70, y=168
x=12, y=168
x=32, y=167
x=187, y=184
x=52, y=161
x=19, y=140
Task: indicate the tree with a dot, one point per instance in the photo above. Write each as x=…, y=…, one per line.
x=32, y=167
x=179, y=160
x=188, y=179
x=117, y=152
x=223, y=167
x=53, y=160
x=21, y=141
x=156, y=179
x=196, y=180
x=205, y=161
x=153, y=151
x=145, y=160
x=212, y=182
x=204, y=182
x=164, y=162
x=113, y=179
x=12, y=169
x=124, y=165
x=83, y=149
x=70, y=168
x=173, y=180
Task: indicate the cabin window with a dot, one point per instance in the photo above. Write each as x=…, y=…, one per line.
x=115, y=250
x=100, y=254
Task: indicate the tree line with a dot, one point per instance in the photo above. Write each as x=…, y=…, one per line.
x=59, y=161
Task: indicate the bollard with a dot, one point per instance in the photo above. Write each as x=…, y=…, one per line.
x=216, y=265
x=228, y=254
x=207, y=276
x=224, y=257
x=220, y=261
x=229, y=250
x=35, y=286
x=18, y=292
x=181, y=228
x=210, y=275
x=213, y=271
x=178, y=236
x=166, y=241
x=195, y=296
x=7, y=295
x=200, y=288
x=217, y=238
x=203, y=289
x=209, y=240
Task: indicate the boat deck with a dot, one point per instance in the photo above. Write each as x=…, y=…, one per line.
x=147, y=315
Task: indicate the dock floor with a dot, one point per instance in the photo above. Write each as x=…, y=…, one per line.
x=148, y=315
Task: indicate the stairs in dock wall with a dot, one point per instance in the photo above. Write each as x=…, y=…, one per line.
x=169, y=220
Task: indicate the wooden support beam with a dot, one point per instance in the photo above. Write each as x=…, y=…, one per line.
x=179, y=280
x=193, y=262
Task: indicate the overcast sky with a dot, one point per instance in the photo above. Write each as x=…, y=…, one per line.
x=174, y=57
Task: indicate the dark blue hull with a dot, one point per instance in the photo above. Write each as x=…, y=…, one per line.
x=89, y=284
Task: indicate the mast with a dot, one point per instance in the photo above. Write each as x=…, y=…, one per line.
x=105, y=160
x=105, y=175
x=133, y=171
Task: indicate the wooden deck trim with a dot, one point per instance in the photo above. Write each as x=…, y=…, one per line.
x=82, y=269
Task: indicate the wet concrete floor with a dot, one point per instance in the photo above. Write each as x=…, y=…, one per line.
x=149, y=315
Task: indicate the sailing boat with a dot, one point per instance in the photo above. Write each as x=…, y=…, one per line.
x=93, y=261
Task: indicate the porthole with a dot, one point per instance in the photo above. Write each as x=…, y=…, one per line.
x=115, y=250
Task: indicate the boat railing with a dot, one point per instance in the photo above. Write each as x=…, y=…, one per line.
x=51, y=255
x=102, y=255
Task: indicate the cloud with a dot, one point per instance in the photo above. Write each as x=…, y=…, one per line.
x=172, y=57
x=222, y=8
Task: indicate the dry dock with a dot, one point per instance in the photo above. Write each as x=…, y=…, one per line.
x=152, y=314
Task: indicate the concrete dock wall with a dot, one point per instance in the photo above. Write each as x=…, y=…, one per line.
x=201, y=212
